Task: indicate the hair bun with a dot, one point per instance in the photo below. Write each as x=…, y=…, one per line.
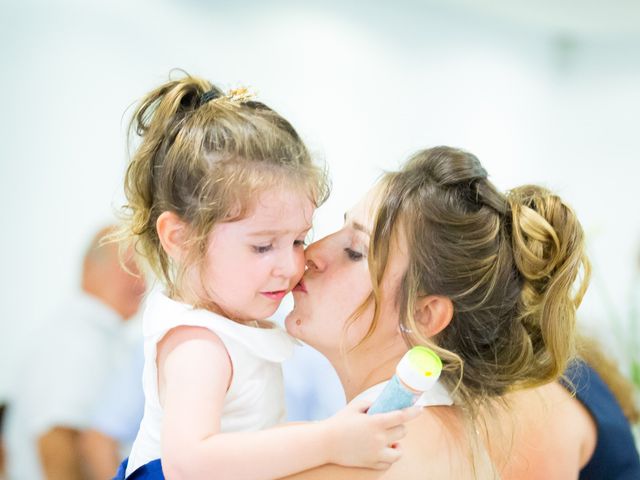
x=536, y=213
x=548, y=250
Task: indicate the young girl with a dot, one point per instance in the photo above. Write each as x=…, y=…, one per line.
x=221, y=193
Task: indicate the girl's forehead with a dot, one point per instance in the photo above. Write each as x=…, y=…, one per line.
x=280, y=210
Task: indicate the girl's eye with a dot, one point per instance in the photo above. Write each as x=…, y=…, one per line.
x=299, y=243
x=262, y=248
x=353, y=255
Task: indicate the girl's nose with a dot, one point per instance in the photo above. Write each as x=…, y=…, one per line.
x=290, y=264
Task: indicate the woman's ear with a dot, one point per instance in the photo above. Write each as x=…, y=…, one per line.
x=172, y=234
x=433, y=313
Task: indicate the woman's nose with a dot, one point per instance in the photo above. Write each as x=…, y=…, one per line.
x=314, y=258
x=311, y=265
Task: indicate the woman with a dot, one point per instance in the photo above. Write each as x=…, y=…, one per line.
x=435, y=255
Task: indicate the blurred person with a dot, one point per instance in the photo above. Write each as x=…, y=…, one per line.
x=65, y=371
x=115, y=421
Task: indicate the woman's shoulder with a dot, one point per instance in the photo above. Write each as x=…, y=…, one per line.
x=436, y=447
x=548, y=429
x=442, y=443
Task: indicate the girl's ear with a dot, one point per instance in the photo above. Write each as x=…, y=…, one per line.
x=172, y=232
x=433, y=314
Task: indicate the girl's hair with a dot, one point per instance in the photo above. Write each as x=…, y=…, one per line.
x=508, y=263
x=207, y=156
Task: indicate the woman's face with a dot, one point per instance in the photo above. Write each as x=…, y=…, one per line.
x=337, y=282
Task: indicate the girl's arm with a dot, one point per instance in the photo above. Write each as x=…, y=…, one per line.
x=194, y=375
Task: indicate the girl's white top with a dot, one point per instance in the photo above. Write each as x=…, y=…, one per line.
x=255, y=399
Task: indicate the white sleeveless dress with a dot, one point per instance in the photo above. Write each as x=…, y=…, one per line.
x=255, y=399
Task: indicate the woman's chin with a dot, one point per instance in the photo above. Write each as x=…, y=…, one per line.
x=292, y=323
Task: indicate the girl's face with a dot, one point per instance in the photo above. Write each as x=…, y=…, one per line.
x=337, y=282
x=251, y=264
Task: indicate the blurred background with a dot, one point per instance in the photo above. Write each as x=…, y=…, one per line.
x=545, y=92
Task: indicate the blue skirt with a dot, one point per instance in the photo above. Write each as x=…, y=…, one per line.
x=150, y=471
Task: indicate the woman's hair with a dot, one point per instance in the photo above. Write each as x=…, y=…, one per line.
x=508, y=263
x=207, y=156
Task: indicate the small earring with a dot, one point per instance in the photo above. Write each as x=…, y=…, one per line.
x=403, y=329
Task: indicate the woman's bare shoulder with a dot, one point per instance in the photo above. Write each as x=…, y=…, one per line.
x=440, y=443
x=552, y=435
x=431, y=449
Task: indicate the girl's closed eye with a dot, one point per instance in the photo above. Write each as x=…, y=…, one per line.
x=262, y=248
x=300, y=243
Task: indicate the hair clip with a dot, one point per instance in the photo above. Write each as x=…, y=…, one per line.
x=208, y=96
x=241, y=94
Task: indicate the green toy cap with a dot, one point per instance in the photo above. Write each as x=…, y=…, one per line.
x=419, y=368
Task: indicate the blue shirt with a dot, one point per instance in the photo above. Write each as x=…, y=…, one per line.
x=615, y=456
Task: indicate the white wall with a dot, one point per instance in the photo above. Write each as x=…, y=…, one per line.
x=365, y=85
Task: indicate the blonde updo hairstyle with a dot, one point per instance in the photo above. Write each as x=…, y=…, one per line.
x=508, y=263
x=207, y=156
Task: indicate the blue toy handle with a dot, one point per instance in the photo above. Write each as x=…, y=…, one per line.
x=395, y=396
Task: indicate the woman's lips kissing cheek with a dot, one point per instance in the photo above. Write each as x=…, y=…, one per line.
x=300, y=287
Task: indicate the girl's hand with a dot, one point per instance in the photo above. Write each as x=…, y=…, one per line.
x=355, y=439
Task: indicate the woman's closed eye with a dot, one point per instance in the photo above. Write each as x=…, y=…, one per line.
x=353, y=255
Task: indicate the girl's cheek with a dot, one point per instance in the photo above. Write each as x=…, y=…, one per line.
x=300, y=263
